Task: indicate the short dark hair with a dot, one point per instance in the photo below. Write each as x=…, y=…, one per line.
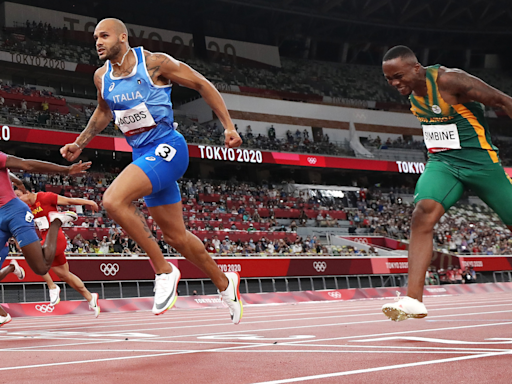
x=399, y=51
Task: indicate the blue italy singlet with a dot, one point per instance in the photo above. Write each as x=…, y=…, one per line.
x=141, y=109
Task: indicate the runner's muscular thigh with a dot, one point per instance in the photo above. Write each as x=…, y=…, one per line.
x=131, y=184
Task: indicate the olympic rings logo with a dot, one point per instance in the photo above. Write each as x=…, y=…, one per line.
x=312, y=160
x=335, y=294
x=44, y=308
x=109, y=269
x=320, y=266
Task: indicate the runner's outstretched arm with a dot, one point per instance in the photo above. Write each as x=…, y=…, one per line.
x=162, y=65
x=97, y=123
x=62, y=200
x=44, y=166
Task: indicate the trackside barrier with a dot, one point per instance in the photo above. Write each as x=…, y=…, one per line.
x=32, y=292
x=198, y=302
x=502, y=276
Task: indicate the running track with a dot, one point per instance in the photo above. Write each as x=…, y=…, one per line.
x=464, y=339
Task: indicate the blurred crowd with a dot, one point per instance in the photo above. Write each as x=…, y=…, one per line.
x=243, y=219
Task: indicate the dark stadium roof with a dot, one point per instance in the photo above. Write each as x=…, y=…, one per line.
x=461, y=16
x=484, y=25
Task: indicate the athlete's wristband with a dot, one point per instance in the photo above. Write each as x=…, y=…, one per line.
x=78, y=146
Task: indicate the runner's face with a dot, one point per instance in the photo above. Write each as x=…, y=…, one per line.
x=108, y=43
x=23, y=197
x=401, y=74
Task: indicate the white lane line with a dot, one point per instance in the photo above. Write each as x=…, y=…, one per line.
x=434, y=340
x=119, y=358
x=259, y=351
x=385, y=368
x=403, y=332
x=92, y=342
x=476, y=349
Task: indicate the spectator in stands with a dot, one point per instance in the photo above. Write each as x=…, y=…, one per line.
x=104, y=246
x=256, y=216
x=23, y=105
x=224, y=247
x=272, y=133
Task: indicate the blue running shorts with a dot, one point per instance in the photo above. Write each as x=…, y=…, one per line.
x=164, y=162
x=17, y=220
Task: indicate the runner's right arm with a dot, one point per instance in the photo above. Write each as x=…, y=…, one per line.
x=62, y=200
x=97, y=123
x=44, y=166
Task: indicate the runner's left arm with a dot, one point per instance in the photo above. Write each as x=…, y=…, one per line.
x=467, y=88
x=62, y=200
x=45, y=166
x=162, y=65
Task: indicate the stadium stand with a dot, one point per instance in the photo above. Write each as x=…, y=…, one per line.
x=241, y=219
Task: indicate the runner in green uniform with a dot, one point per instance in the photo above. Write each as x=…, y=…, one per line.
x=449, y=103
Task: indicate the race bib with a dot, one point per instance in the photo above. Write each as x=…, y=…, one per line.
x=441, y=137
x=134, y=120
x=29, y=217
x=42, y=223
x=165, y=151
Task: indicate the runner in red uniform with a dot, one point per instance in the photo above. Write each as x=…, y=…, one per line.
x=42, y=204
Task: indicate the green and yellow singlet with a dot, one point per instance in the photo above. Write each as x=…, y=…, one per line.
x=457, y=134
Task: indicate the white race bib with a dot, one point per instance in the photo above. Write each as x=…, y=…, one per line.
x=444, y=136
x=42, y=223
x=165, y=151
x=134, y=120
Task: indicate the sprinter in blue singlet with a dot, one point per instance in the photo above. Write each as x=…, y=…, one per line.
x=134, y=89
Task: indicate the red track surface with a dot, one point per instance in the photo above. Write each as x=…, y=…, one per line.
x=465, y=339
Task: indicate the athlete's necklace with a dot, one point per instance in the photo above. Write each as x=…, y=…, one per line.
x=122, y=60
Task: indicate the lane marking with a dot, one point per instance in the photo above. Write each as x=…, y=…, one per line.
x=117, y=358
x=80, y=334
x=255, y=337
x=385, y=368
x=433, y=340
x=259, y=351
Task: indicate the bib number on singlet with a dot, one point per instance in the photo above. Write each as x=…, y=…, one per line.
x=134, y=120
x=444, y=136
x=42, y=223
x=165, y=151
